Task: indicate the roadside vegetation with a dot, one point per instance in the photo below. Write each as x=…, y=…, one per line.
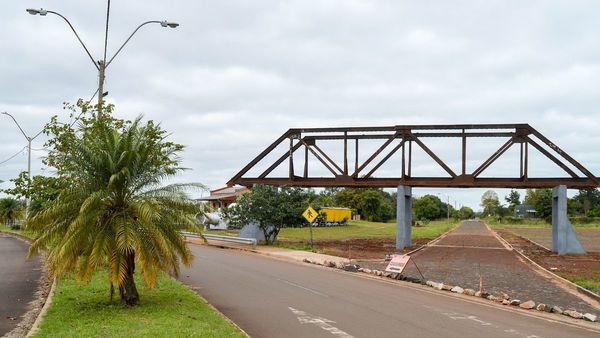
x=167, y=310
x=591, y=283
x=107, y=224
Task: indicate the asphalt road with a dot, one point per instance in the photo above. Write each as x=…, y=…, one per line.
x=18, y=281
x=273, y=298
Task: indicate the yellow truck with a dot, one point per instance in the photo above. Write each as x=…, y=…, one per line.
x=336, y=215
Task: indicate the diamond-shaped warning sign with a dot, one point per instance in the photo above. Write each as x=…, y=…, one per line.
x=310, y=214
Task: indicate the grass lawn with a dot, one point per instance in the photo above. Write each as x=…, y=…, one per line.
x=356, y=229
x=4, y=228
x=169, y=310
x=590, y=283
x=364, y=229
x=534, y=223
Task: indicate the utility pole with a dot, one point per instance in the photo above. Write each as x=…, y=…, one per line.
x=448, y=206
x=102, y=64
x=101, y=70
x=29, y=139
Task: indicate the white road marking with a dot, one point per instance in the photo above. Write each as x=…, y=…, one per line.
x=462, y=316
x=303, y=288
x=323, y=323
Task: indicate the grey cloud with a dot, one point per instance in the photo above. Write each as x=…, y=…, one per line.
x=236, y=74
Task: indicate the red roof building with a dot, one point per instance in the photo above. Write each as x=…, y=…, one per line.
x=223, y=197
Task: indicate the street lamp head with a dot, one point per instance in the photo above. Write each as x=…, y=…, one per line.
x=169, y=24
x=34, y=11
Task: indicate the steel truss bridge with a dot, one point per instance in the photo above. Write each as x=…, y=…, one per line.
x=400, y=141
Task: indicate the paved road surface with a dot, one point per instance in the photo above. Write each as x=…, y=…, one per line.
x=18, y=281
x=273, y=298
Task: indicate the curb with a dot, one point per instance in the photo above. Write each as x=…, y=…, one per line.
x=38, y=321
x=565, y=283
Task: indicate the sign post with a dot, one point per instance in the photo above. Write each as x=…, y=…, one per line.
x=310, y=215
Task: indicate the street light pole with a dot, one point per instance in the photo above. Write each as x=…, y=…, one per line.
x=102, y=64
x=29, y=139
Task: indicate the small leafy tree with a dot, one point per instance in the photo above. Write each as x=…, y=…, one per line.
x=372, y=204
x=466, y=213
x=541, y=199
x=41, y=190
x=490, y=203
x=513, y=199
x=429, y=207
x=272, y=208
x=112, y=211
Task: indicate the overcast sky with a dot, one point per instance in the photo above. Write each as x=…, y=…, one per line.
x=236, y=74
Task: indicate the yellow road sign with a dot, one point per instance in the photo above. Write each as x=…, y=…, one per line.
x=310, y=214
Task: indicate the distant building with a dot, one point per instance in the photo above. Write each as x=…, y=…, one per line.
x=525, y=211
x=223, y=197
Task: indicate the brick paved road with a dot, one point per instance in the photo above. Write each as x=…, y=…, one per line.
x=471, y=249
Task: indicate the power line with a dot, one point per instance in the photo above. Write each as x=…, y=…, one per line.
x=13, y=156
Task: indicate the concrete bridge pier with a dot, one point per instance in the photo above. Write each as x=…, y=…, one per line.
x=404, y=217
x=564, y=238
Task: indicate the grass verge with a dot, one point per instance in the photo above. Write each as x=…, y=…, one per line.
x=589, y=282
x=533, y=223
x=169, y=310
x=355, y=229
x=364, y=229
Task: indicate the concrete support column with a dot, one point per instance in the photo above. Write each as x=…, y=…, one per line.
x=564, y=238
x=404, y=217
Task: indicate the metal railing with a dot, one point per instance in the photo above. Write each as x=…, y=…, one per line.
x=239, y=240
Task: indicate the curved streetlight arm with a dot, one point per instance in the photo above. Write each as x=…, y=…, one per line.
x=129, y=38
x=17, y=123
x=78, y=38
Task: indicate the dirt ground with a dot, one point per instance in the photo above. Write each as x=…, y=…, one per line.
x=573, y=265
x=361, y=248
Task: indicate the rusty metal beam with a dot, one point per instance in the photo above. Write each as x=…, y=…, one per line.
x=493, y=158
x=319, y=158
x=426, y=182
x=332, y=162
x=279, y=161
x=552, y=158
x=517, y=133
x=372, y=157
x=392, y=152
x=434, y=157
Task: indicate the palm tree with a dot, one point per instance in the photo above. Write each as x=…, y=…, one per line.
x=113, y=213
x=10, y=210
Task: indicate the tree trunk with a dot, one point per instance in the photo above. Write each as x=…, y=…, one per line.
x=127, y=290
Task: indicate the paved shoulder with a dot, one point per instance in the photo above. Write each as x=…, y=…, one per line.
x=18, y=281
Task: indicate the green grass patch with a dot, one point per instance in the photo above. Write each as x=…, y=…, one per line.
x=513, y=223
x=590, y=283
x=303, y=246
x=364, y=229
x=13, y=231
x=169, y=310
x=354, y=229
